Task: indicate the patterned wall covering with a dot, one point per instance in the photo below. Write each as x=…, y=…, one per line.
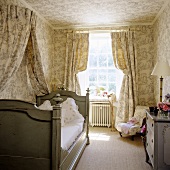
x=53, y=43
x=46, y=44
x=162, y=47
x=11, y=2
x=64, y=13
x=144, y=38
x=59, y=56
x=145, y=55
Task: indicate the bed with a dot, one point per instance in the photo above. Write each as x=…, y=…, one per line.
x=31, y=138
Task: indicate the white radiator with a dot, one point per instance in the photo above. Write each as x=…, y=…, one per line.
x=100, y=114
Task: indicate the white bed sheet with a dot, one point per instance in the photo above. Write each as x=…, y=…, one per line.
x=69, y=133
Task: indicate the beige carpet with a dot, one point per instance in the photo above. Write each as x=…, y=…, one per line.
x=108, y=151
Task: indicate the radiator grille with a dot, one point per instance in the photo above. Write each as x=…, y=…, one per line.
x=100, y=114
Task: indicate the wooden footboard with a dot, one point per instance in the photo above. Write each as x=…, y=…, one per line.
x=71, y=160
x=25, y=136
x=31, y=138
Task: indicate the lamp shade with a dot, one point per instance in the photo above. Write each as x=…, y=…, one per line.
x=161, y=68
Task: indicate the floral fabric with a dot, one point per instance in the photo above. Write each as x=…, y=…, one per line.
x=34, y=63
x=77, y=46
x=17, y=35
x=14, y=33
x=124, y=53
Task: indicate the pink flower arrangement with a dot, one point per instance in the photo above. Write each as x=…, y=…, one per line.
x=165, y=105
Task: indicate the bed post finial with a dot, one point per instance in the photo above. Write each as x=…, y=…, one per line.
x=88, y=90
x=58, y=99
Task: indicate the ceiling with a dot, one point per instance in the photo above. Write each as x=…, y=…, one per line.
x=62, y=14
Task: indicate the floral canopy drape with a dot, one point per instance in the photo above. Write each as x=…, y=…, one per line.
x=16, y=24
x=77, y=47
x=124, y=54
x=34, y=64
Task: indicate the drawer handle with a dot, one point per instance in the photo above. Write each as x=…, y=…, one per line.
x=152, y=140
x=152, y=124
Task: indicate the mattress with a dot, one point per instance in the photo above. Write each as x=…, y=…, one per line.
x=69, y=134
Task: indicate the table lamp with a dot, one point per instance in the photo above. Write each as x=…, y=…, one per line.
x=161, y=69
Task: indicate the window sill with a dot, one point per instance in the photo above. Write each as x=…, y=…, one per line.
x=98, y=99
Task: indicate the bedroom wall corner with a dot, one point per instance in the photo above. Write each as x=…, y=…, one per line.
x=161, y=48
x=144, y=59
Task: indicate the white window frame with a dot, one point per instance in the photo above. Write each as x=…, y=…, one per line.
x=84, y=76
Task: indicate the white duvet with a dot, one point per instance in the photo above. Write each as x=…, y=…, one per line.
x=69, y=133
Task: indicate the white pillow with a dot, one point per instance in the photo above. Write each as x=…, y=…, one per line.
x=46, y=105
x=63, y=113
x=71, y=115
x=69, y=103
x=70, y=111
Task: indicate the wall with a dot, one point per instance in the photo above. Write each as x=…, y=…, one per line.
x=52, y=47
x=162, y=48
x=145, y=53
x=22, y=89
x=144, y=58
x=59, y=59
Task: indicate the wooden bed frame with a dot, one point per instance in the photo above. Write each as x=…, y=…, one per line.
x=30, y=139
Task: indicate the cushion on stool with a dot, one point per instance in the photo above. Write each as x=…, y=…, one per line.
x=134, y=124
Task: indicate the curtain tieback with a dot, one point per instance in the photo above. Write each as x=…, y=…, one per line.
x=125, y=71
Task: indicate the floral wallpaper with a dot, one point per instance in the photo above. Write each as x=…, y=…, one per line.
x=145, y=53
x=152, y=43
x=162, y=48
x=60, y=37
x=11, y=2
x=64, y=13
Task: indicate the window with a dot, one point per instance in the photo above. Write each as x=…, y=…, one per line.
x=101, y=75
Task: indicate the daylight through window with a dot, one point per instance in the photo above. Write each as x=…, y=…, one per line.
x=101, y=75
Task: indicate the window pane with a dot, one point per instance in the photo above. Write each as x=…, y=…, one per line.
x=112, y=87
x=107, y=47
x=111, y=77
x=103, y=61
x=102, y=78
x=102, y=71
x=93, y=75
x=110, y=61
x=112, y=71
x=92, y=61
x=93, y=47
x=92, y=85
x=103, y=86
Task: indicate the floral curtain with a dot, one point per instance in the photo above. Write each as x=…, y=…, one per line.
x=14, y=33
x=77, y=47
x=17, y=26
x=124, y=55
x=34, y=64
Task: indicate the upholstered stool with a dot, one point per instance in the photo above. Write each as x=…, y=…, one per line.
x=134, y=124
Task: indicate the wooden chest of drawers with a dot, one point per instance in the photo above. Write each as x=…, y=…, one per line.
x=158, y=141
